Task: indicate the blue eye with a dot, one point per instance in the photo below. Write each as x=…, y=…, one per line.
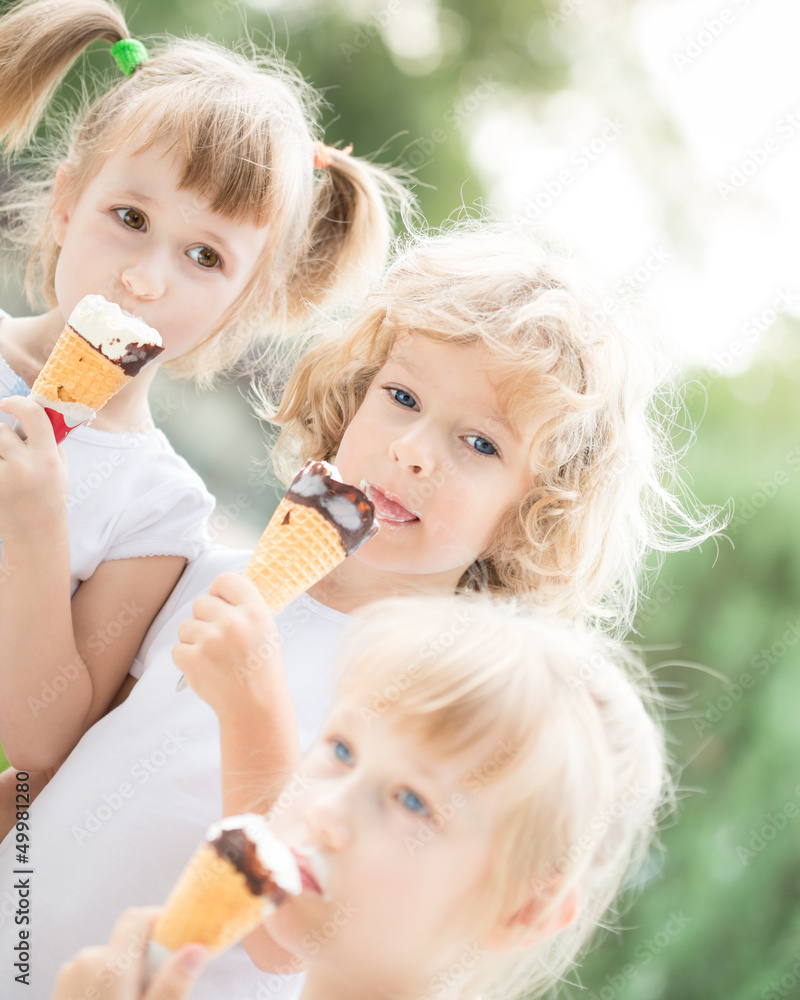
x=481, y=444
x=341, y=752
x=411, y=801
x=403, y=398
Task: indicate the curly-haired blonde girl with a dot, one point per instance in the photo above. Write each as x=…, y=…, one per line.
x=604, y=488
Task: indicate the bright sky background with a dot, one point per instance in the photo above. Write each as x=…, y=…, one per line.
x=729, y=81
x=723, y=76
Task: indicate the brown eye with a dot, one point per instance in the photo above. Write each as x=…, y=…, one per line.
x=205, y=256
x=131, y=218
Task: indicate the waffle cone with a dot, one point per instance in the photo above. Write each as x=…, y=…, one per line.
x=210, y=905
x=76, y=372
x=298, y=547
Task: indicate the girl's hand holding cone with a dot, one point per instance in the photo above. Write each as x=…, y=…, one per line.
x=231, y=656
x=116, y=971
x=230, y=650
x=33, y=473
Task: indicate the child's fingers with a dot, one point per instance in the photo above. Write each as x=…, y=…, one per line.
x=10, y=442
x=35, y=422
x=234, y=588
x=208, y=608
x=192, y=632
x=132, y=929
x=176, y=978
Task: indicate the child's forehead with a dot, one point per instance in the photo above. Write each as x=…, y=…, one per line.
x=462, y=756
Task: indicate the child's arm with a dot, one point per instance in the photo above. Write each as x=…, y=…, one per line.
x=62, y=659
x=230, y=654
x=10, y=803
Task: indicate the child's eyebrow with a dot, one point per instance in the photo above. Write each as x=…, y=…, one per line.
x=403, y=363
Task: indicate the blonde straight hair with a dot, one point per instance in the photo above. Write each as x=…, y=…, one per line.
x=566, y=717
x=243, y=126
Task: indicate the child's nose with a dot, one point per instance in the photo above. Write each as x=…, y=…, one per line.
x=325, y=819
x=145, y=279
x=414, y=450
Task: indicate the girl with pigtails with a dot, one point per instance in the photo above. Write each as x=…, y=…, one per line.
x=192, y=194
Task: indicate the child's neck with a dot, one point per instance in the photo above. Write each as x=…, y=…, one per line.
x=327, y=984
x=26, y=343
x=352, y=585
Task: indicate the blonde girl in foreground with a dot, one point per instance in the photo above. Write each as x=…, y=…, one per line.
x=485, y=781
x=187, y=192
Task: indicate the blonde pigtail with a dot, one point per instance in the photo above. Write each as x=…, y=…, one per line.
x=350, y=231
x=39, y=42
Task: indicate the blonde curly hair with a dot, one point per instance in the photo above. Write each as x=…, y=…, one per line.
x=606, y=487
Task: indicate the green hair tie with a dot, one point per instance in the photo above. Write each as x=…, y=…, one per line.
x=129, y=53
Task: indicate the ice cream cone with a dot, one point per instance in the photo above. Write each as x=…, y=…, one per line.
x=76, y=372
x=100, y=349
x=298, y=548
x=211, y=905
x=239, y=873
x=316, y=526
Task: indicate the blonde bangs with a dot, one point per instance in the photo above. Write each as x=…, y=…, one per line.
x=456, y=685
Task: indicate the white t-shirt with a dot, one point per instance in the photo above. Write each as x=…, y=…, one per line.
x=120, y=819
x=129, y=495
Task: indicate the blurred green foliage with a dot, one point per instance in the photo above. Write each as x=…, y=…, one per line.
x=720, y=918
x=720, y=915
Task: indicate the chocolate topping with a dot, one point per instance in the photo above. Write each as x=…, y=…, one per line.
x=136, y=356
x=237, y=848
x=344, y=506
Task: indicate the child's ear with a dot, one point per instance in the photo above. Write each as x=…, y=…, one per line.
x=62, y=202
x=524, y=927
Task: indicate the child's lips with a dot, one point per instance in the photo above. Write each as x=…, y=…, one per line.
x=313, y=870
x=388, y=508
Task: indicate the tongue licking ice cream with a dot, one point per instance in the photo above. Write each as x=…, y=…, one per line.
x=99, y=350
x=317, y=525
x=239, y=874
